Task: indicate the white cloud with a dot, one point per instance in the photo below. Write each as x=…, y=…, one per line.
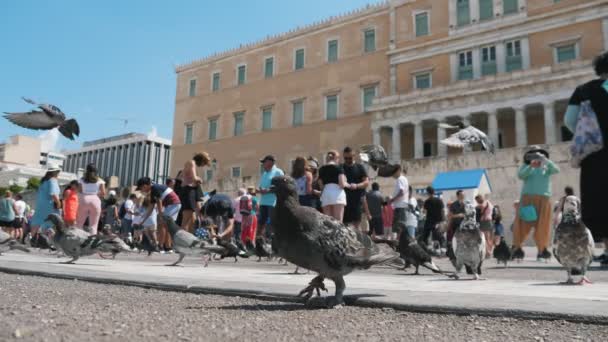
x=50, y=140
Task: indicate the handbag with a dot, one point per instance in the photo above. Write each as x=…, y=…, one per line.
x=587, y=138
x=528, y=213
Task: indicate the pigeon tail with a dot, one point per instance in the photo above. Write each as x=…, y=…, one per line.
x=69, y=129
x=19, y=247
x=446, y=126
x=385, y=254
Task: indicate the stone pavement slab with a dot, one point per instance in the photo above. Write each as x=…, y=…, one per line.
x=424, y=293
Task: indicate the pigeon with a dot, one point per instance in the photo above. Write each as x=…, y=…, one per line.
x=467, y=135
x=320, y=243
x=48, y=117
x=502, y=252
x=75, y=242
x=9, y=243
x=373, y=155
x=262, y=248
x=113, y=244
x=572, y=244
x=469, y=244
x=414, y=254
x=147, y=245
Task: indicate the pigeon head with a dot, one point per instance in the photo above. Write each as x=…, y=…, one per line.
x=284, y=187
x=572, y=210
x=57, y=221
x=469, y=211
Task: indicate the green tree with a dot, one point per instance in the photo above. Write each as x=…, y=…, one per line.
x=2, y=191
x=15, y=189
x=33, y=183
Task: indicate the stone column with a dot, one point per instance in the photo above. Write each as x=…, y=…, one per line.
x=501, y=55
x=393, y=79
x=418, y=141
x=493, y=127
x=605, y=31
x=442, y=150
x=549, y=118
x=521, y=129
x=396, y=151
x=474, y=11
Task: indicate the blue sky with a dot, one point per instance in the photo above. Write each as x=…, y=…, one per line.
x=99, y=60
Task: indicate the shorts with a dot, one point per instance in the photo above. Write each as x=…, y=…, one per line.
x=18, y=223
x=333, y=194
x=189, y=196
x=172, y=210
x=399, y=219
x=307, y=200
x=265, y=214
x=376, y=225
x=151, y=228
x=126, y=226
x=486, y=226
x=353, y=210
x=499, y=229
x=7, y=224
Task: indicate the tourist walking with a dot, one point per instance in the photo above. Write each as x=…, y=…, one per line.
x=267, y=199
x=126, y=215
x=47, y=202
x=357, y=181
x=455, y=217
x=92, y=190
x=7, y=213
x=70, y=203
x=332, y=181
x=238, y=216
x=400, y=202
x=313, y=166
x=249, y=222
x=303, y=178
x=20, y=208
x=486, y=224
x=188, y=187
x=434, y=215
x=412, y=213
x=593, y=181
x=374, y=205
x=535, y=203
x=111, y=216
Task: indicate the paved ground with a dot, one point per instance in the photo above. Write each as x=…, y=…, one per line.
x=45, y=309
x=530, y=289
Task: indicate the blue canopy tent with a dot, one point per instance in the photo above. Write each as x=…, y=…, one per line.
x=472, y=182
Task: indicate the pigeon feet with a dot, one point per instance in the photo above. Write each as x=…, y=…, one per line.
x=315, y=284
x=477, y=277
x=584, y=280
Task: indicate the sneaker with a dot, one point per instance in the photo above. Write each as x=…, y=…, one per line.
x=162, y=251
x=170, y=251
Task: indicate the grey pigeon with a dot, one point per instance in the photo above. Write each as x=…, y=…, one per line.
x=469, y=244
x=75, y=242
x=414, y=254
x=9, y=243
x=572, y=244
x=113, y=244
x=502, y=252
x=320, y=243
x=185, y=243
x=467, y=135
x=373, y=155
x=46, y=118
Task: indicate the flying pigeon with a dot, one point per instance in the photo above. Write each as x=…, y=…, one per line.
x=467, y=135
x=502, y=252
x=9, y=243
x=320, y=243
x=415, y=255
x=573, y=246
x=375, y=156
x=469, y=244
x=75, y=242
x=48, y=117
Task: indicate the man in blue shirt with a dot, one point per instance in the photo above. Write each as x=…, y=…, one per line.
x=268, y=199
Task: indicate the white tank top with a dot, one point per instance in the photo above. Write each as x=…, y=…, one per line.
x=91, y=188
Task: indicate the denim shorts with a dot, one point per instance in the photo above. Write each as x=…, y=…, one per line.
x=172, y=210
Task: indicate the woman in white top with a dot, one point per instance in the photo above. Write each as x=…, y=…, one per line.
x=20, y=207
x=333, y=182
x=92, y=189
x=411, y=221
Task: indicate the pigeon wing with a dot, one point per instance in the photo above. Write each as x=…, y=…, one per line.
x=453, y=140
x=184, y=239
x=32, y=120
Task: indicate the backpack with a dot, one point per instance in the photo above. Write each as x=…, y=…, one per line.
x=245, y=205
x=122, y=211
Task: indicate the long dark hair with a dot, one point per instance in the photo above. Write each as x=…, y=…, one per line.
x=90, y=176
x=49, y=175
x=300, y=166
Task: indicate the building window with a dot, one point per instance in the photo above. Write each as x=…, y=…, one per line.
x=331, y=107
x=266, y=119
x=215, y=83
x=427, y=149
x=422, y=81
x=422, y=24
x=332, y=51
x=369, y=44
x=212, y=129
x=236, y=172
x=565, y=53
x=239, y=119
x=465, y=65
x=463, y=12
x=514, y=58
x=269, y=67
x=509, y=6
x=299, y=59
x=488, y=60
x=192, y=88
x=209, y=175
x=188, y=133
x=241, y=74
x=298, y=113
x=368, y=94
x=486, y=9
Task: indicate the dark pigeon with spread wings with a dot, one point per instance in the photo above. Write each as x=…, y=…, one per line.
x=46, y=118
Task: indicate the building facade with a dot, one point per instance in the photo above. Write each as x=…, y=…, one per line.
x=506, y=66
x=127, y=157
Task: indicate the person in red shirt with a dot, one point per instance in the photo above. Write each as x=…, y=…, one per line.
x=70, y=203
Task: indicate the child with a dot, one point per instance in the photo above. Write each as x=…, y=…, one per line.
x=70, y=203
x=150, y=224
x=499, y=229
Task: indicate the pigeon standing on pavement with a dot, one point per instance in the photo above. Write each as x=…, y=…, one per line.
x=467, y=135
x=414, y=254
x=46, y=118
x=320, y=243
x=572, y=245
x=9, y=243
x=502, y=252
x=262, y=248
x=469, y=244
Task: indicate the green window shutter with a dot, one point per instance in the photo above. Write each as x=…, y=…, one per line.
x=488, y=61
x=422, y=24
x=238, y=123
x=216, y=82
x=267, y=119
x=298, y=113
x=242, y=71
x=514, y=60
x=486, y=9
x=465, y=65
x=331, y=107
x=269, y=67
x=566, y=53
x=509, y=6
x=236, y=172
x=209, y=175
x=299, y=64
x=369, y=94
x=463, y=12
x=213, y=129
x=332, y=51
x=423, y=81
x=370, y=40
x=188, y=135
x=192, y=88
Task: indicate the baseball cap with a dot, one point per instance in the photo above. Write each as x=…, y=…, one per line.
x=268, y=157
